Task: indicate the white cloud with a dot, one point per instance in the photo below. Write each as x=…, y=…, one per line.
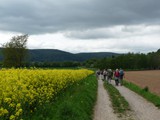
x=6, y=36
x=120, y=39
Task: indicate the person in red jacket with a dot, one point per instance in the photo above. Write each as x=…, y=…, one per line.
x=116, y=77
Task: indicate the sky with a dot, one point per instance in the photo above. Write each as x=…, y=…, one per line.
x=76, y=26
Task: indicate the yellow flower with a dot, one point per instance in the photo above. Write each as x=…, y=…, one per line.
x=12, y=105
x=7, y=100
x=33, y=85
x=5, y=111
x=20, y=111
x=12, y=117
x=18, y=105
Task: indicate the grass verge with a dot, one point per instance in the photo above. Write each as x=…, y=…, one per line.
x=144, y=93
x=120, y=105
x=74, y=103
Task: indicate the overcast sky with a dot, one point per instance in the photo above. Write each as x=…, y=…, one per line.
x=83, y=25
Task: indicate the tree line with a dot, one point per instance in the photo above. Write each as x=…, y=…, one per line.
x=133, y=61
x=15, y=54
x=130, y=61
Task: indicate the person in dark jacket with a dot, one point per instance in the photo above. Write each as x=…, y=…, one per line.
x=121, y=75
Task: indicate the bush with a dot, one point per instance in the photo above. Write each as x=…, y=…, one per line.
x=146, y=89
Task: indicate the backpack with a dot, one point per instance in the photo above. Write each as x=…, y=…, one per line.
x=110, y=73
x=121, y=72
x=117, y=74
x=105, y=73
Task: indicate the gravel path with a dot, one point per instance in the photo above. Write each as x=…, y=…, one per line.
x=103, y=109
x=143, y=109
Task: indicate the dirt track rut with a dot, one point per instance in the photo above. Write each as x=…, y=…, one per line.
x=103, y=109
x=143, y=109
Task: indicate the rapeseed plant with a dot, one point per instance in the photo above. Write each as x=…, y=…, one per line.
x=21, y=90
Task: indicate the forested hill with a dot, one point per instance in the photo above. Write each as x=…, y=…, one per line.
x=54, y=55
x=86, y=56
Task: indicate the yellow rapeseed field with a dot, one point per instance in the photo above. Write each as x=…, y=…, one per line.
x=21, y=90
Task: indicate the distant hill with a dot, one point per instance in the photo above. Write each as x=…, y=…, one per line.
x=54, y=55
x=86, y=56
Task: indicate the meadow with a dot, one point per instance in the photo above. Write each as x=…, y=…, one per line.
x=22, y=91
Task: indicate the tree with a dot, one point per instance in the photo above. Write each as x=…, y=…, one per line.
x=15, y=51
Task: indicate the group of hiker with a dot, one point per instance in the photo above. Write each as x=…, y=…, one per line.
x=109, y=74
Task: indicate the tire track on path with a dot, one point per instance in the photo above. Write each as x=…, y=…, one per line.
x=143, y=109
x=103, y=108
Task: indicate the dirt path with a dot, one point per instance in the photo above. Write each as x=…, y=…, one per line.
x=143, y=109
x=103, y=109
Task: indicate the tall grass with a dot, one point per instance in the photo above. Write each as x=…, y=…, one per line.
x=74, y=103
x=144, y=92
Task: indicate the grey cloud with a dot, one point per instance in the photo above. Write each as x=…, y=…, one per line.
x=90, y=34
x=114, y=32
x=47, y=16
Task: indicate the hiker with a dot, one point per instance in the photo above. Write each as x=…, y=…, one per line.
x=104, y=74
x=101, y=75
x=109, y=75
x=116, y=77
x=121, y=75
x=97, y=74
